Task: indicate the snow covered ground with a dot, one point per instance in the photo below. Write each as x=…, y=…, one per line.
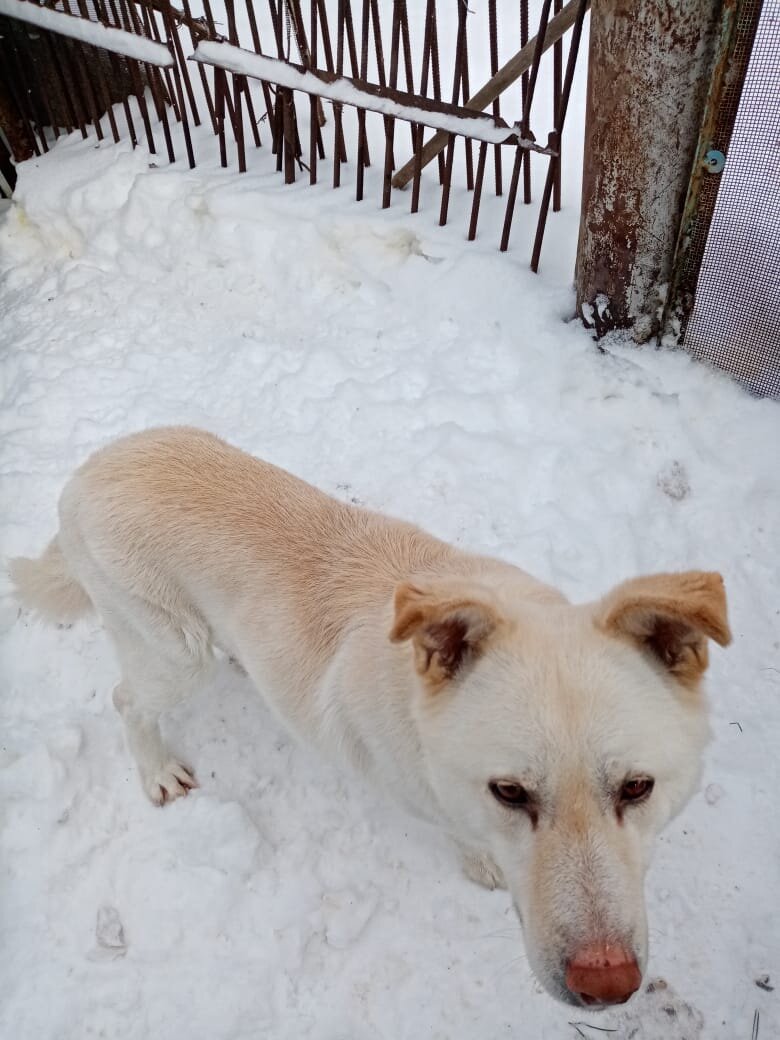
x=391, y=364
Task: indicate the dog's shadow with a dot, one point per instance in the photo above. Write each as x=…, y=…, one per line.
x=295, y=796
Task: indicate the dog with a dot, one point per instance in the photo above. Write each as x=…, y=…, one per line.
x=552, y=741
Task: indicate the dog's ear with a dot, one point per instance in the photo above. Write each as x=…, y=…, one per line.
x=448, y=622
x=672, y=616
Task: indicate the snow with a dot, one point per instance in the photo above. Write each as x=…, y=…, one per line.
x=390, y=363
x=110, y=39
x=234, y=59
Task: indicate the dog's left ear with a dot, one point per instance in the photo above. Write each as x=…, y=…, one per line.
x=672, y=616
x=448, y=622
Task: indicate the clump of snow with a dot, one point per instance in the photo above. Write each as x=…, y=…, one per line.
x=386, y=361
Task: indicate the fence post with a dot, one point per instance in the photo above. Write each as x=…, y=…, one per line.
x=648, y=76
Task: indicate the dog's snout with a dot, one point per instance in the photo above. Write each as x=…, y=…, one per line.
x=603, y=973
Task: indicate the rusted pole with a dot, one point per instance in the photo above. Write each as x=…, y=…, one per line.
x=649, y=68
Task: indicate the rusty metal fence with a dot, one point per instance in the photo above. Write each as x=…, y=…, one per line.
x=244, y=69
x=724, y=302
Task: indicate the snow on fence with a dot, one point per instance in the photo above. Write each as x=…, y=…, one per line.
x=80, y=60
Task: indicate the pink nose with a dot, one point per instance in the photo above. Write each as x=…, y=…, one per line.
x=603, y=973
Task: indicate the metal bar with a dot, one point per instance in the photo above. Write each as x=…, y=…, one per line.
x=70, y=72
x=523, y=95
x=447, y=181
x=351, y=45
x=267, y=98
x=574, y=46
x=156, y=85
x=408, y=64
x=117, y=70
x=539, y=49
x=296, y=16
x=237, y=113
x=138, y=87
x=220, y=87
x=529, y=97
x=165, y=73
x=520, y=159
x=361, y=112
x=78, y=60
x=290, y=134
x=328, y=50
x=380, y=54
x=426, y=63
x=250, y=111
x=171, y=31
x=463, y=12
x=493, y=32
x=175, y=44
x=313, y=102
x=82, y=64
x=65, y=87
x=505, y=77
x=436, y=76
x=279, y=131
x=477, y=191
x=276, y=21
x=147, y=15
x=557, y=79
x=20, y=31
x=96, y=64
x=44, y=94
x=17, y=84
x=395, y=41
x=286, y=121
x=419, y=130
x=339, y=156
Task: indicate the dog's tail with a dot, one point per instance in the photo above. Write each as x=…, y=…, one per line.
x=46, y=586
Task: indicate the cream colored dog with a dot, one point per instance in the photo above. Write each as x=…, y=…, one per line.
x=551, y=741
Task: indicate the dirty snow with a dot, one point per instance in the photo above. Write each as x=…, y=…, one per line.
x=391, y=364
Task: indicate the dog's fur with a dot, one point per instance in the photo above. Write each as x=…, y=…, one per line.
x=431, y=670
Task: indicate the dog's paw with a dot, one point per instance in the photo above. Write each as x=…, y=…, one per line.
x=480, y=867
x=169, y=782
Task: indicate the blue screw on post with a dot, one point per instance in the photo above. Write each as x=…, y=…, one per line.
x=714, y=161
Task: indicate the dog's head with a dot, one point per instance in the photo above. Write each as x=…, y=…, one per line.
x=563, y=738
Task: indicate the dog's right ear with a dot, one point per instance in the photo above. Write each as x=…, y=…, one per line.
x=448, y=622
x=672, y=616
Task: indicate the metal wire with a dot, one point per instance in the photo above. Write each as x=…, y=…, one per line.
x=735, y=321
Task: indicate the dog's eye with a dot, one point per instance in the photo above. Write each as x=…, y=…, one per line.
x=636, y=790
x=510, y=793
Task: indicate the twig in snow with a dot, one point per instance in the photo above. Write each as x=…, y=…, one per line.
x=737, y=724
x=587, y=1025
x=756, y=1017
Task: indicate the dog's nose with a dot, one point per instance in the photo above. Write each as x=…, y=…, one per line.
x=603, y=973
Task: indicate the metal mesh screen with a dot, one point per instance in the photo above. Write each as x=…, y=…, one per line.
x=735, y=322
